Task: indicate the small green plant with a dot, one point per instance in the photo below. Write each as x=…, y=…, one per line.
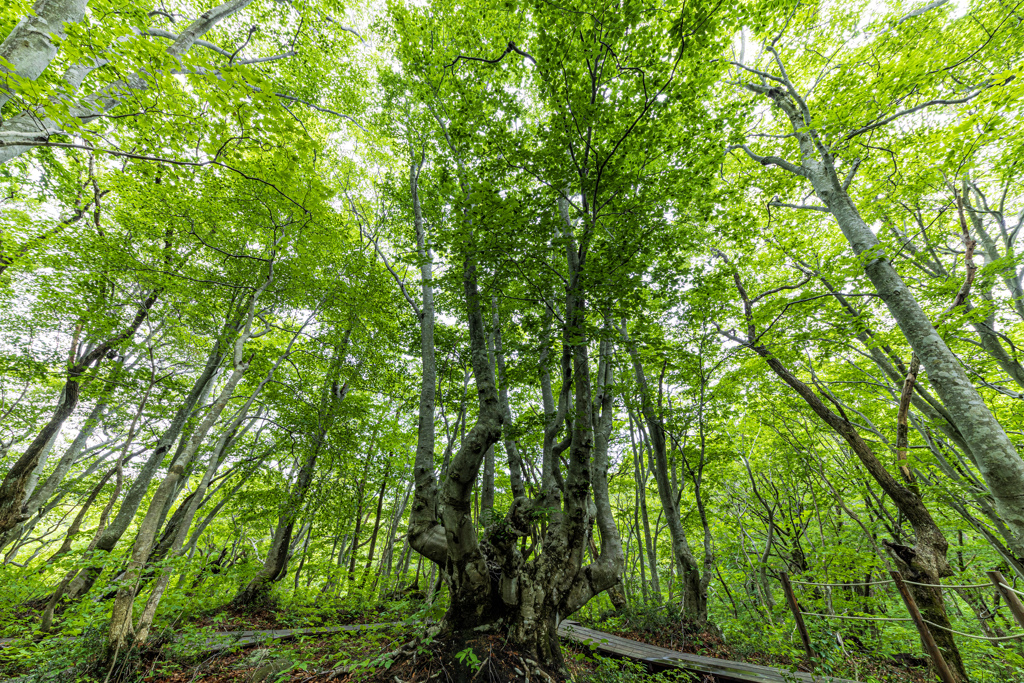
x=468, y=658
x=624, y=671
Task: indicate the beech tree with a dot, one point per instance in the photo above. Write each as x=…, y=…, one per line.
x=478, y=318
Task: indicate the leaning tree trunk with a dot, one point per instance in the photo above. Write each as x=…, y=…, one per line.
x=275, y=565
x=42, y=494
x=926, y=562
x=995, y=454
x=110, y=535
x=12, y=489
x=121, y=631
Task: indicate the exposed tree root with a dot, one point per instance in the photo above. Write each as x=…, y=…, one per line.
x=479, y=659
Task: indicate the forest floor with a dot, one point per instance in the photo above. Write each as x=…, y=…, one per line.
x=656, y=627
x=181, y=653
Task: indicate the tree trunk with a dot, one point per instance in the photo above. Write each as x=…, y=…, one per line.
x=995, y=455
x=12, y=489
x=641, y=488
x=39, y=497
x=83, y=582
x=376, y=529
x=76, y=525
x=694, y=590
x=121, y=631
x=515, y=461
x=256, y=593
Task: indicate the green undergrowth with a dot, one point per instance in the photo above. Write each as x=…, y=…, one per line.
x=892, y=655
x=178, y=649
x=188, y=620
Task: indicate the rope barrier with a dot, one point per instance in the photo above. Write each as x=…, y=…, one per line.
x=842, y=585
x=991, y=639
x=949, y=585
x=971, y=635
x=912, y=583
x=1011, y=588
x=849, y=616
x=932, y=624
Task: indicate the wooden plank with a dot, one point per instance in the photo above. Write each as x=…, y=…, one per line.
x=1009, y=596
x=655, y=657
x=922, y=628
x=248, y=638
x=798, y=617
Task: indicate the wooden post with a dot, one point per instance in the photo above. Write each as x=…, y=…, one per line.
x=794, y=607
x=1009, y=596
x=945, y=675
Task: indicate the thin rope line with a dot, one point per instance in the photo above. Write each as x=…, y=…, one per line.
x=847, y=616
x=950, y=585
x=971, y=635
x=844, y=585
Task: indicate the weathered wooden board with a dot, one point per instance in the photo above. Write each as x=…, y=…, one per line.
x=658, y=658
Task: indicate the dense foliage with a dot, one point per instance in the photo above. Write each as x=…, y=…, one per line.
x=496, y=313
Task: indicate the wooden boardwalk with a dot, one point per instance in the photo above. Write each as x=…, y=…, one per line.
x=707, y=668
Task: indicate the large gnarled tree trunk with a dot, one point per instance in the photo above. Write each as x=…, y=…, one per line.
x=493, y=587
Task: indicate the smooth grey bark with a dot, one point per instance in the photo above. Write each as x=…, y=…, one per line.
x=990, y=340
x=360, y=501
x=486, y=516
x=168, y=532
x=376, y=529
x=425, y=535
x=886, y=359
x=387, y=559
x=515, y=461
x=492, y=587
x=640, y=476
x=197, y=498
x=995, y=455
x=935, y=417
x=608, y=562
x=30, y=46
x=121, y=632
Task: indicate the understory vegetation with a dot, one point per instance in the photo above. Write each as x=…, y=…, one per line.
x=483, y=325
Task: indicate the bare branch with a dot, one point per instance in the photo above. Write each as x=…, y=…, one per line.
x=510, y=48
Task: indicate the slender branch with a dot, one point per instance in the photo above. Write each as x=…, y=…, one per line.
x=510, y=48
